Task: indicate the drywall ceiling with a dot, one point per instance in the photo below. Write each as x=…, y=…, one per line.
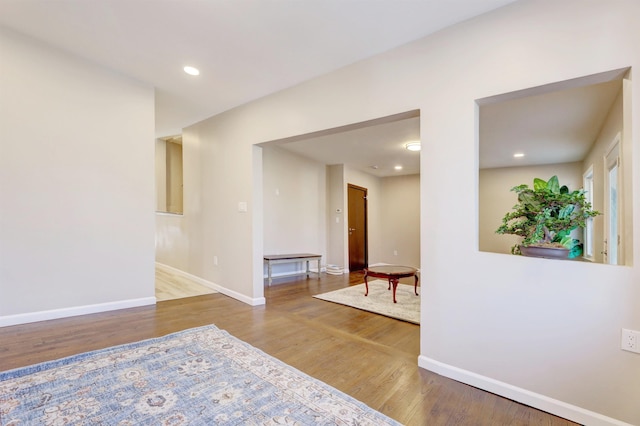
x=559, y=126
x=376, y=148
x=245, y=49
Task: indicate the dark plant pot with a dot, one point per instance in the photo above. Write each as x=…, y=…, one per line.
x=546, y=252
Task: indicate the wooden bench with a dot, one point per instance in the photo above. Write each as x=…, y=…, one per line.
x=273, y=259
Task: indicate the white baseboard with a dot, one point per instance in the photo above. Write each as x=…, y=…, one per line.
x=541, y=402
x=186, y=275
x=265, y=275
x=8, y=320
x=255, y=301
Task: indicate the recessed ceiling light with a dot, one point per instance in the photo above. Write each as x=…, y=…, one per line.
x=413, y=146
x=518, y=155
x=398, y=167
x=191, y=70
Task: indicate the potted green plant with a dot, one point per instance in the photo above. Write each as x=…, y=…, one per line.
x=545, y=216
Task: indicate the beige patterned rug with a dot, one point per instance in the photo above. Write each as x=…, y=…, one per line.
x=379, y=300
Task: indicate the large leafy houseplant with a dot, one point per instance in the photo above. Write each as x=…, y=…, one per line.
x=546, y=215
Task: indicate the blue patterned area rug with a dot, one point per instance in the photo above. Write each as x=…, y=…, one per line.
x=201, y=376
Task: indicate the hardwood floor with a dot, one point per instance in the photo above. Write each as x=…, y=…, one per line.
x=368, y=356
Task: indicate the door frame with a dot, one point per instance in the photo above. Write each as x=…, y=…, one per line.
x=366, y=226
x=612, y=159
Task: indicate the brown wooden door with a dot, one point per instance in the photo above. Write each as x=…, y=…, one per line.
x=357, y=204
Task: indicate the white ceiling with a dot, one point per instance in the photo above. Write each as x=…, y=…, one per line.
x=246, y=49
x=557, y=126
x=375, y=148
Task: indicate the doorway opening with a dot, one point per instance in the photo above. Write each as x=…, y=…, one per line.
x=306, y=181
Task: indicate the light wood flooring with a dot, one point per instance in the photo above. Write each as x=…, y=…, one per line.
x=368, y=356
x=170, y=286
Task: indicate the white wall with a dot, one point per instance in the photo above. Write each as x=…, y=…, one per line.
x=543, y=332
x=400, y=239
x=336, y=216
x=76, y=185
x=495, y=198
x=294, y=206
x=172, y=243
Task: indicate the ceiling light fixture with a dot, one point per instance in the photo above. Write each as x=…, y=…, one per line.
x=518, y=155
x=398, y=167
x=191, y=70
x=413, y=146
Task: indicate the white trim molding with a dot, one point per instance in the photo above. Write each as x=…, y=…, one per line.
x=8, y=320
x=255, y=301
x=541, y=402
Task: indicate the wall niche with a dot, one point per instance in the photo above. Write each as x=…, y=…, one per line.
x=579, y=130
x=169, y=180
